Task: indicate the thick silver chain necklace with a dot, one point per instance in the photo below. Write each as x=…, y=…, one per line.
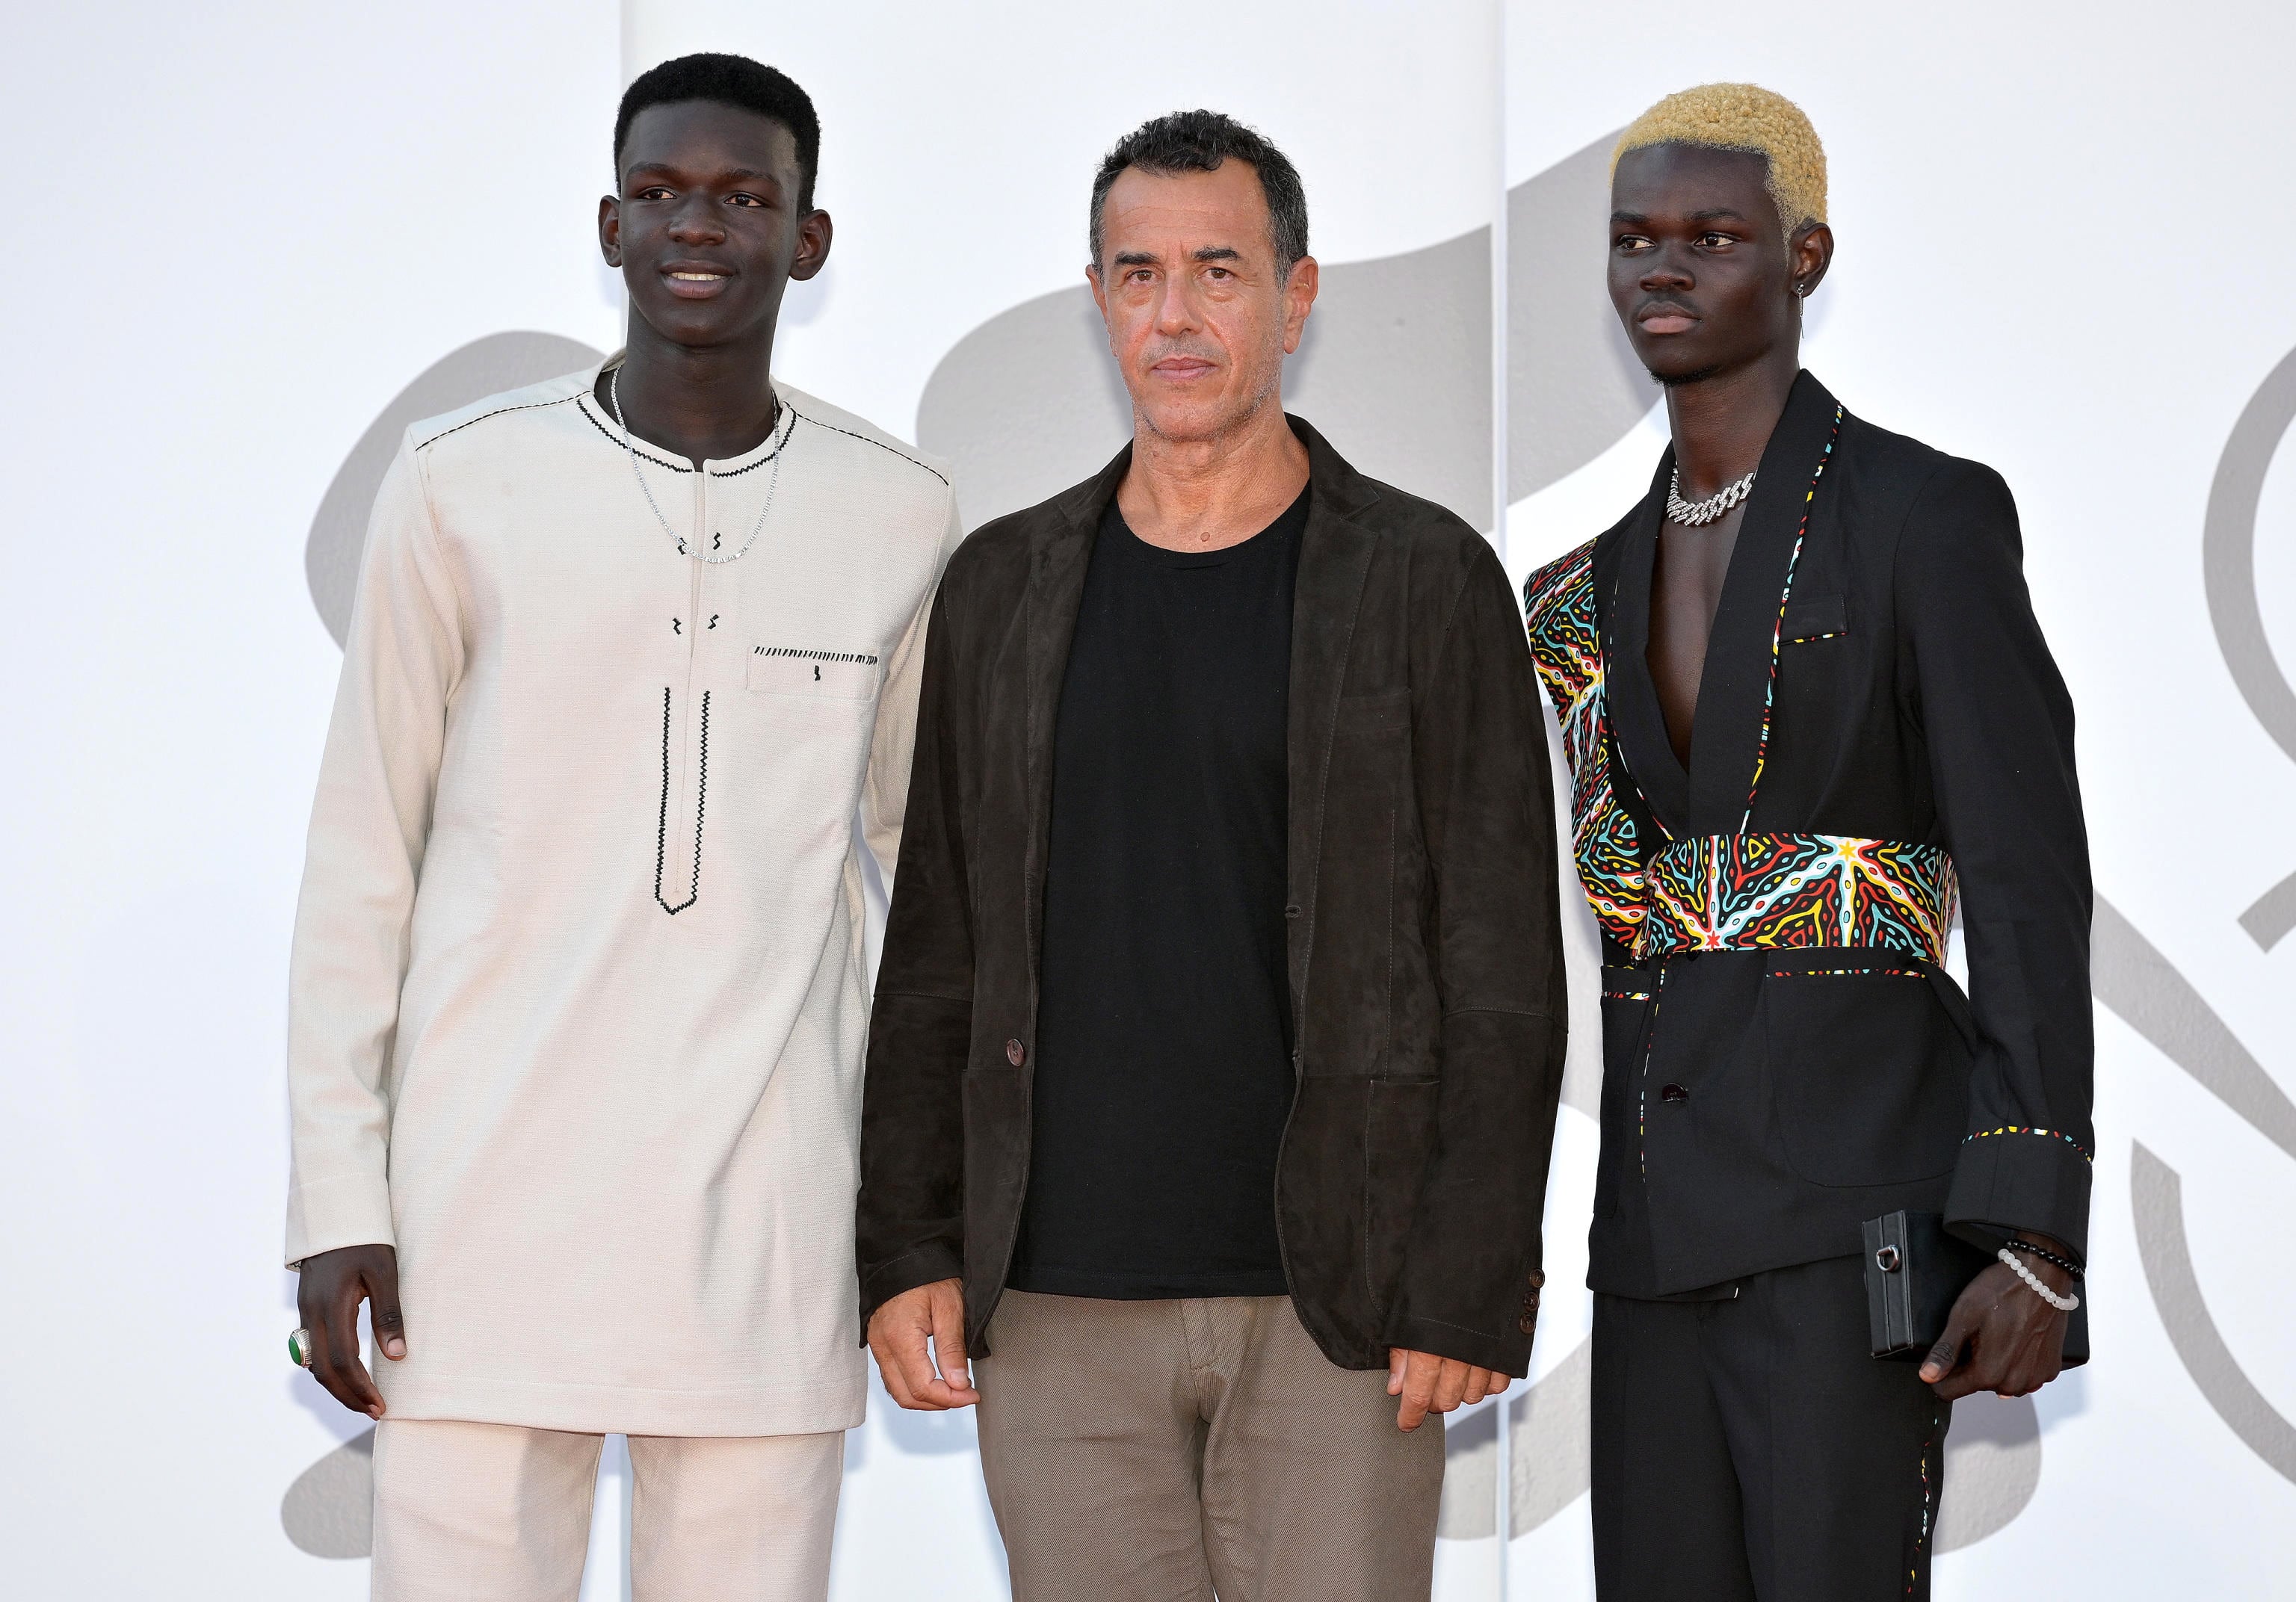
x=1690, y=514
x=614, y=383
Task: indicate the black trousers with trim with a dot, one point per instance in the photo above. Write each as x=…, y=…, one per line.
x=1749, y=1449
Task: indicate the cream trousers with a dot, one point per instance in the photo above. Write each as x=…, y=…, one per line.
x=502, y=1513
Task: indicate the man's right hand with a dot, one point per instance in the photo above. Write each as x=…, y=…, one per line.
x=899, y=1334
x=333, y=1284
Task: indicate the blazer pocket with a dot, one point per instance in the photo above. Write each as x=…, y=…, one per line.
x=1869, y=1075
x=1818, y=617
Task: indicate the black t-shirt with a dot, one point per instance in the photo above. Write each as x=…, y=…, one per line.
x=1164, y=1023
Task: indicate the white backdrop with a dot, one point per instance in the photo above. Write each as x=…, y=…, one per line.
x=249, y=238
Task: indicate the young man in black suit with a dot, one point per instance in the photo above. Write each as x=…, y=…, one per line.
x=1807, y=706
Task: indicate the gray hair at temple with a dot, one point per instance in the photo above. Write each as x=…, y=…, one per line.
x=1198, y=142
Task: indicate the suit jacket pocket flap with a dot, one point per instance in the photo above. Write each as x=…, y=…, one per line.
x=1816, y=618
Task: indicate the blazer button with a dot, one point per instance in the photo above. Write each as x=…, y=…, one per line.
x=1674, y=1093
x=1015, y=1052
x=1528, y=1322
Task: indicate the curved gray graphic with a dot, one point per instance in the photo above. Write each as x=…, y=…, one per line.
x=483, y=367
x=1547, y=1427
x=1471, y=1456
x=329, y=1511
x=2272, y=915
x=2157, y=1193
x=1026, y=405
x=1992, y=1468
x=1574, y=387
x=2228, y=567
x=1553, y=1442
x=2133, y=979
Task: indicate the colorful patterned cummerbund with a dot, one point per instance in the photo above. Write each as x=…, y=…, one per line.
x=1741, y=892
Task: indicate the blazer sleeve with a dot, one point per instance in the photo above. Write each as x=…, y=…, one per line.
x=1474, y=1264
x=909, y=1216
x=1999, y=727
x=370, y=824
x=884, y=793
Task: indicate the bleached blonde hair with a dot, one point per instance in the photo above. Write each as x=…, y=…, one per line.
x=1743, y=116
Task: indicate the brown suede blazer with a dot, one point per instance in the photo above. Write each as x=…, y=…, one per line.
x=1426, y=969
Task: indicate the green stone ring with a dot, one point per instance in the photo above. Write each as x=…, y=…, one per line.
x=299, y=1347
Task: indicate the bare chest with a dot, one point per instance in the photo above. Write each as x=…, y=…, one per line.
x=1685, y=590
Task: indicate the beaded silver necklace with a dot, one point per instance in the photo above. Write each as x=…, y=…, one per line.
x=614, y=383
x=1690, y=514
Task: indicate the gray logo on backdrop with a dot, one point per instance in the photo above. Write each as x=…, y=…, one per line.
x=1395, y=370
x=2228, y=566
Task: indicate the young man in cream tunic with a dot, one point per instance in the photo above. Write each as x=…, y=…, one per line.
x=578, y=995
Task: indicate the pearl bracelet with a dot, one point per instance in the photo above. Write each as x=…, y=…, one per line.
x=2061, y=1304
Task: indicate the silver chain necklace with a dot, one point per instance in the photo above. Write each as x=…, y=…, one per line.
x=614, y=383
x=1690, y=514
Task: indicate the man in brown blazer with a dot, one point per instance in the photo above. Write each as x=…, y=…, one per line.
x=1216, y=1046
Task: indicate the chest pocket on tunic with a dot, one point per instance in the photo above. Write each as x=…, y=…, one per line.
x=815, y=675
x=1818, y=617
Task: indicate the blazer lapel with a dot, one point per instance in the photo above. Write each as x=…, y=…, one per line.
x=1059, y=551
x=1335, y=556
x=1637, y=722
x=1734, y=692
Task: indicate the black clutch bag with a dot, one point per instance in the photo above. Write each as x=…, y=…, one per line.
x=1915, y=1270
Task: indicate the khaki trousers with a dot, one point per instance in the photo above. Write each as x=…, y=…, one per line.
x=1170, y=1452
x=502, y=1514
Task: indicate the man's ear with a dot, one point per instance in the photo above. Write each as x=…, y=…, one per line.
x=1299, y=299
x=813, y=233
x=1099, y=288
x=610, y=229
x=1810, y=255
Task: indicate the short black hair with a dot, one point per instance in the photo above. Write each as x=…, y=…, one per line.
x=730, y=80
x=1198, y=142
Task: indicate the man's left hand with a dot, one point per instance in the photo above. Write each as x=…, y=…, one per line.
x=2000, y=1336
x=1428, y=1384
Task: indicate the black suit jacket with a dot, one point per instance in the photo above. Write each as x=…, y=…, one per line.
x=1424, y=952
x=1757, y=1105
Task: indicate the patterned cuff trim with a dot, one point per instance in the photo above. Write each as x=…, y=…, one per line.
x=2020, y=1129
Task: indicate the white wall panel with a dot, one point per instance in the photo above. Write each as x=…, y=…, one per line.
x=236, y=231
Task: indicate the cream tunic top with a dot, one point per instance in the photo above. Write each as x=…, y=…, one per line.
x=576, y=996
